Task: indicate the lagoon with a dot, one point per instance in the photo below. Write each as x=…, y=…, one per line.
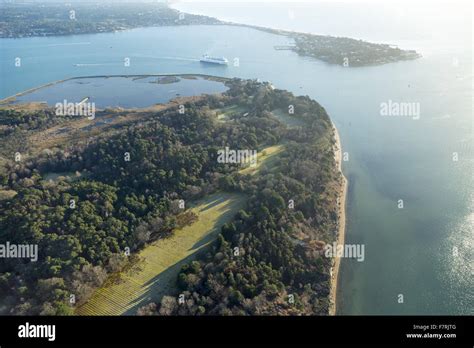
x=122, y=91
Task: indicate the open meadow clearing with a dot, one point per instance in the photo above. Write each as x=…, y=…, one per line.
x=154, y=275
x=266, y=158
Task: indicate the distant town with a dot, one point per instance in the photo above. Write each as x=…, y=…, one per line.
x=51, y=19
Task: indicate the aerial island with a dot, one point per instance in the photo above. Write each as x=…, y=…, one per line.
x=21, y=20
x=347, y=52
x=134, y=212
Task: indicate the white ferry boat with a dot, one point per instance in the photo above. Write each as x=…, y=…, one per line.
x=214, y=60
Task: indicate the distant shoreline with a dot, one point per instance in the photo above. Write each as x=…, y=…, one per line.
x=306, y=45
x=342, y=51
x=341, y=228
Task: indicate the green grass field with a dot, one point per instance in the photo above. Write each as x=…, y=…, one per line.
x=154, y=275
x=224, y=113
x=266, y=159
x=287, y=119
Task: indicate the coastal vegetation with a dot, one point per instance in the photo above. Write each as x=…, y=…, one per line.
x=348, y=52
x=130, y=180
x=342, y=51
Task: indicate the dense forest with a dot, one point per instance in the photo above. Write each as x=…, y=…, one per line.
x=124, y=193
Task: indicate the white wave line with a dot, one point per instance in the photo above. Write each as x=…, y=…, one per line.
x=93, y=64
x=170, y=58
x=70, y=44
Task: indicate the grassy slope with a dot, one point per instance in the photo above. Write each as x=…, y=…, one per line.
x=265, y=159
x=223, y=114
x=155, y=274
x=287, y=119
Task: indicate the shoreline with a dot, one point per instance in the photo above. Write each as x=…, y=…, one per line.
x=342, y=226
x=289, y=33
x=11, y=98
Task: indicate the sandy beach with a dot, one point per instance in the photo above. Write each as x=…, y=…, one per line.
x=342, y=224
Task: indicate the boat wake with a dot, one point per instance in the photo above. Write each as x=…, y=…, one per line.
x=168, y=58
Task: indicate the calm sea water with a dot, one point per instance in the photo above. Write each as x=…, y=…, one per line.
x=423, y=251
x=118, y=91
